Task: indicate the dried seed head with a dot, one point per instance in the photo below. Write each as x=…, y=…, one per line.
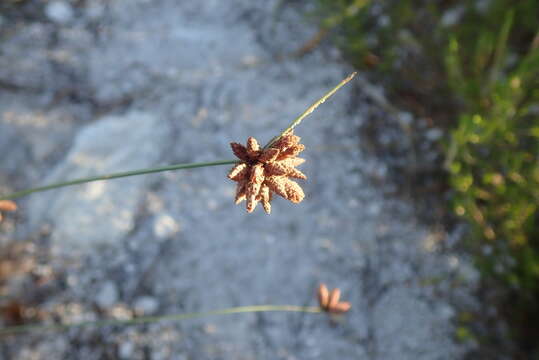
x=282, y=168
x=240, y=151
x=269, y=155
x=240, y=192
x=257, y=174
x=7, y=205
x=291, y=152
x=239, y=172
x=295, y=161
x=323, y=296
x=262, y=172
x=265, y=196
x=329, y=301
x=277, y=185
x=253, y=149
x=341, y=307
x=294, y=192
x=334, y=297
x=286, y=141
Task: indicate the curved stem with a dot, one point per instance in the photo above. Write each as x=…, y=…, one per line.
x=150, y=319
x=116, y=176
x=310, y=109
x=294, y=123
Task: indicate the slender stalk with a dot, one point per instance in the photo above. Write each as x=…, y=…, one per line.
x=14, y=330
x=294, y=123
x=501, y=48
x=311, y=108
x=116, y=176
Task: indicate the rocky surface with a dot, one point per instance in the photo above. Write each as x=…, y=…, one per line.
x=95, y=87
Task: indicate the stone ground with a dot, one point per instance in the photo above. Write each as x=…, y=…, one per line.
x=95, y=87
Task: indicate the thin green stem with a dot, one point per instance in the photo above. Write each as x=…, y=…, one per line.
x=294, y=123
x=501, y=48
x=14, y=330
x=310, y=109
x=116, y=176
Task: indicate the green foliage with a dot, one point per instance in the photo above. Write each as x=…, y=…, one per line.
x=493, y=159
x=366, y=27
x=490, y=69
x=493, y=156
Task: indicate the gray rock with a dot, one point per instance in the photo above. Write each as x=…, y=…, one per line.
x=434, y=134
x=107, y=295
x=59, y=12
x=103, y=212
x=165, y=226
x=95, y=10
x=396, y=335
x=146, y=305
x=15, y=147
x=126, y=350
x=452, y=16
x=447, y=312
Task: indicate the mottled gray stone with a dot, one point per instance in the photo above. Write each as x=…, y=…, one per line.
x=406, y=327
x=126, y=350
x=146, y=305
x=113, y=144
x=181, y=79
x=107, y=295
x=59, y=11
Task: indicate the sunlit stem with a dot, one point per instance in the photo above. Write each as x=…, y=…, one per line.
x=310, y=109
x=14, y=330
x=116, y=176
x=294, y=123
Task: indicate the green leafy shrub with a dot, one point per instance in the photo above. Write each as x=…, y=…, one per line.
x=493, y=159
x=484, y=89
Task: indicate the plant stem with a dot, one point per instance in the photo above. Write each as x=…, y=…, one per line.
x=116, y=176
x=151, y=319
x=310, y=109
x=294, y=123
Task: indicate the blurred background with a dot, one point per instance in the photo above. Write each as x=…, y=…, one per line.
x=421, y=197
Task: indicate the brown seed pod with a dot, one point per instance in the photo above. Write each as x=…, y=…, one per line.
x=329, y=301
x=340, y=308
x=262, y=172
x=7, y=205
x=323, y=296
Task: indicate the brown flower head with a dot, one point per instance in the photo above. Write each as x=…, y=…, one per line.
x=329, y=301
x=263, y=172
x=7, y=205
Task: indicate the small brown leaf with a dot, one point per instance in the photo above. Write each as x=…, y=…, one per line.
x=239, y=172
x=265, y=196
x=323, y=296
x=7, y=205
x=286, y=141
x=240, y=192
x=240, y=151
x=277, y=185
x=294, y=192
x=269, y=155
x=280, y=168
x=253, y=149
x=291, y=152
x=334, y=297
x=295, y=161
x=341, y=307
x=257, y=174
